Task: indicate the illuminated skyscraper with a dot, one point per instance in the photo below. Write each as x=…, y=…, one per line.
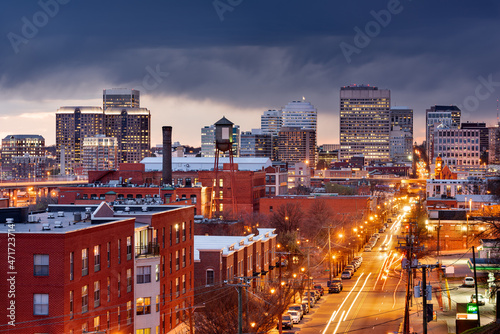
x=99, y=153
x=364, y=122
x=297, y=145
x=131, y=127
x=271, y=121
x=439, y=116
x=73, y=125
x=120, y=98
x=208, y=141
x=300, y=114
x=17, y=146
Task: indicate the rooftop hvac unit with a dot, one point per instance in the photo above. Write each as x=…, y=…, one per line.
x=144, y=209
x=31, y=219
x=88, y=210
x=60, y=214
x=58, y=224
x=127, y=209
x=9, y=220
x=77, y=216
x=45, y=227
x=50, y=216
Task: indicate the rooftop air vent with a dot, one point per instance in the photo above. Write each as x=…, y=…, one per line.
x=58, y=224
x=45, y=227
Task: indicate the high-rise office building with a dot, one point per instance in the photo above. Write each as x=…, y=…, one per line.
x=271, y=121
x=365, y=122
x=300, y=114
x=132, y=129
x=99, y=153
x=401, y=134
x=120, y=98
x=457, y=147
x=20, y=146
x=208, y=141
x=73, y=124
x=256, y=143
x=439, y=116
x=484, y=140
x=297, y=145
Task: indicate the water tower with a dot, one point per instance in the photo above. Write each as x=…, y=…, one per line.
x=223, y=143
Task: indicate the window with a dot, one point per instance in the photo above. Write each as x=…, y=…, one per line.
x=41, y=264
x=71, y=304
x=129, y=280
x=143, y=274
x=97, y=293
x=119, y=251
x=177, y=287
x=71, y=265
x=183, y=231
x=85, y=261
x=183, y=284
x=129, y=248
x=157, y=272
x=119, y=278
x=119, y=317
x=108, y=320
x=143, y=331
x=143, y=305
x=157, y=303
x=171, y=229
x=109, y=254
x=163, y=238
x=109, y=288
x=170, y=263
x=177, y=260
x=97, y=323
x=210, y=277
x=177, y=234
x=97, y=258
x=85, y=298
x=183, y=257
x=129, y=312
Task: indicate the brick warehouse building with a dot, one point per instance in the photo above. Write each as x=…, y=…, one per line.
x=354, y=206
x=85, y=274
x=249, y=188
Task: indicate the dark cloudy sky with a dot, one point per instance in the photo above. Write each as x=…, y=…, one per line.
x=240, y=57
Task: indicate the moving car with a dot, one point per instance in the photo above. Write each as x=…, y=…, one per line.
x=346, y=274
x=480, y=301
x=295, y=316
x=468, y=281
x=286, y=322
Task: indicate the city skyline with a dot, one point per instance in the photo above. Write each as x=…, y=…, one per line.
x=195, y=66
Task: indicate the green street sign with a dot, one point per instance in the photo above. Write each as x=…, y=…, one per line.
x=471, y=308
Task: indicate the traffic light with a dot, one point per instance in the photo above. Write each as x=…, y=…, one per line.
x=430, y=312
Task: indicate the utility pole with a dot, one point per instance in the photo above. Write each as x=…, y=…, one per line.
x=475, y=285
x=244, y=283
x=329, y=252
x=424, y=295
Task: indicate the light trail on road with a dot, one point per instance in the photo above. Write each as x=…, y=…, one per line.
x=352, y=304
x=334, y=314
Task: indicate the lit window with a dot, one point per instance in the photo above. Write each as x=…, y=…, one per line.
x=143, y=305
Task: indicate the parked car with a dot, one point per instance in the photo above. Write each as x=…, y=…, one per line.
x=359, y=258
x=310, y=300
x=468, y=281
x=319, y=288
x=346, y=274
x=480, y=301
x=298, y=308
x=335, y=285
x=295, y=316
x=368, y=248
x=350, y=267
x=305, y=307
x=286, y=322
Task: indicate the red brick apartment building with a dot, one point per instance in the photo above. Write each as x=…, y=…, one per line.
x=81, y=268
x=222, y=258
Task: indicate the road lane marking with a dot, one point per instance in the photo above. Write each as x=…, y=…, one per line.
x=332, y=318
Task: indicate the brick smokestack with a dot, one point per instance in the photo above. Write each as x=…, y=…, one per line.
x=167, y=155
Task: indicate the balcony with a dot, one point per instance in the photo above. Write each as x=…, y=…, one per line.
x=149, y=250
